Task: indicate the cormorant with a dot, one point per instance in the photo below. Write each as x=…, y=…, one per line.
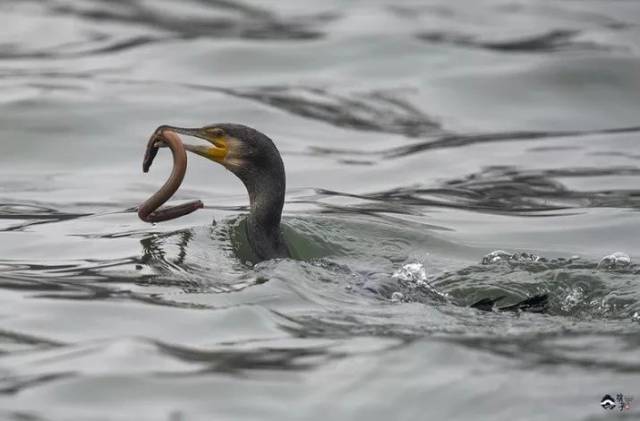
x=255, y=160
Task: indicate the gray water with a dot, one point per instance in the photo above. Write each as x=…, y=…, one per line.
x=417, y=136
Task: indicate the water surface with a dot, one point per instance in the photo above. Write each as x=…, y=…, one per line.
x=418, y=137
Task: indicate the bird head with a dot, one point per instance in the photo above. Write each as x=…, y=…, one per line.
x=244, y=151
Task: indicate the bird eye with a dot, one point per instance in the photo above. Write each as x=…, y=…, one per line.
x=215, y=132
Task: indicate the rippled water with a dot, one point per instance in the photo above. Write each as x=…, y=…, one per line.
x=418, y=137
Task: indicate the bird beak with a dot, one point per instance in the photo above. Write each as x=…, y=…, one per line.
x=219, y=144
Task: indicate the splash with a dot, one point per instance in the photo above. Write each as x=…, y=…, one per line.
x=616, y=260
x=500, y=256
x=413, y=277
x=397, y=297
x=573, y=298
x=413, y=274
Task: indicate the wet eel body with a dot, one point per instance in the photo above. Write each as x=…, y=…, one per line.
x=149, y=210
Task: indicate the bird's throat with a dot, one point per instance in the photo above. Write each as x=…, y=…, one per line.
x=263, y=223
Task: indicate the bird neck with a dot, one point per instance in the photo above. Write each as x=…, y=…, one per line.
x=266, y=209
x=266, y=199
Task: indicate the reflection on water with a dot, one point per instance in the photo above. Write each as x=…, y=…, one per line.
x=444, y=160
x=375, y=111
x=550, y=41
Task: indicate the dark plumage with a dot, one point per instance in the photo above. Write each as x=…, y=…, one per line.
x=261, y=170
x=255, y=160
x=535, y=304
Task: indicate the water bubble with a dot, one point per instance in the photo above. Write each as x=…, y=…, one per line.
x=412, y=273
x=573, y=298
x=495, y=257
x=397, y=297
x=614, y=261
x=526, y=257
x=498, y=256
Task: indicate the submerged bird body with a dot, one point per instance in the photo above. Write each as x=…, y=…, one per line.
x=255, y=160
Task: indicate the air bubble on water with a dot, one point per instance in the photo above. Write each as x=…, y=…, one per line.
x=495, y=257
x=498, y=256
x=526, y=257
x=412, y=273
x=573, y=298
x=397, y=297
x=615, y=261
x=414, y=276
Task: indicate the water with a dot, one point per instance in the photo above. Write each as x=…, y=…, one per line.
x=418, y=138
